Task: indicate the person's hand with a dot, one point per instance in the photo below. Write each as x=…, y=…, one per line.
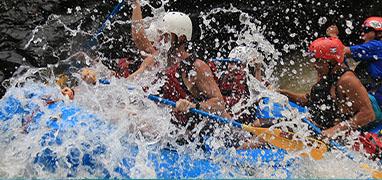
x=269, y=86
x=332, y=31
x=280, y=91
x=89, y=76
x=68, y=92
x=329, y=133
x=183, y=105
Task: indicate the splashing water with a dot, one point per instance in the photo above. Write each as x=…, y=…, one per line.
x=115, y=131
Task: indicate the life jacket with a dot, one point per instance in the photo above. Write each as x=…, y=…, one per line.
x=322, y=106
x=123, y=70
x=371, y=144
x=175, y=89
x=233, y=87
x=125, y=67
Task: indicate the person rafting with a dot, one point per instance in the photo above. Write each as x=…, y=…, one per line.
x=338, y=102
x=369, y=54
x=232, y=80
x=188, y=80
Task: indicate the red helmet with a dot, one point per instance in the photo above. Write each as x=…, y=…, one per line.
x=374, y=23
x=328, y=48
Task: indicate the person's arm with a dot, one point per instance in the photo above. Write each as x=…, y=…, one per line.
x=363, y=52
x=351, y=88
x=299, y=98
x=206, y=83
x=258, y=71
x=147, y=63
x=138, y=31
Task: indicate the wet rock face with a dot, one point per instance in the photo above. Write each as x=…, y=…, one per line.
x=29, y=34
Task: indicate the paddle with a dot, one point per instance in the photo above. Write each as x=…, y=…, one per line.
x=275, y=137
x=226, y=60
x=93, y=41
x=375, y=173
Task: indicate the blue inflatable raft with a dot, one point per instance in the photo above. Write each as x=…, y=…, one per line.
x=66, y=123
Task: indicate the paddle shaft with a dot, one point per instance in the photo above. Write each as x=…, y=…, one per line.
x=375, y=173
x=332, y=143
x=227, y=60
x=197, y=111
x=91, y=42
x=274, y=137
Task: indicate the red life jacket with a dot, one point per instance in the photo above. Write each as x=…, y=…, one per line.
x=124, y=68
x=233, y=87
x=231, y=84
x=371, y=144
x=173, y=90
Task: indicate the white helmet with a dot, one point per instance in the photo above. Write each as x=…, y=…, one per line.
x=178, y=23
x=246, y=55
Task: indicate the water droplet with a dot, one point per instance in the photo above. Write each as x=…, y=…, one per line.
x=348, y=31
x=192, y=73
x=349, y=104
x=349, y=23
x=322, y=20
x=244, y=18
x=323, y=107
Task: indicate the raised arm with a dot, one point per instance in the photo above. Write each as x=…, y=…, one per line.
x=137, y=30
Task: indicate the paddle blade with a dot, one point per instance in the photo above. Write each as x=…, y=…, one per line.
x=284, y=140
x=374, y=173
